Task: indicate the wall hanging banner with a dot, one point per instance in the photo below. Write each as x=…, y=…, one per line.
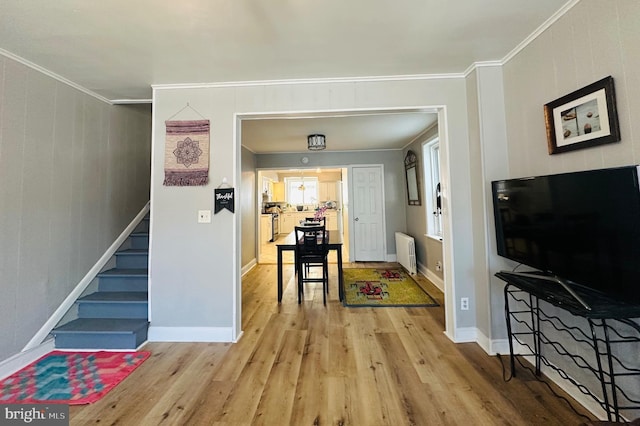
x=186, y=153
x=224, y=199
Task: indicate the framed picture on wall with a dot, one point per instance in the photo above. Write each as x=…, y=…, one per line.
x=584, y=118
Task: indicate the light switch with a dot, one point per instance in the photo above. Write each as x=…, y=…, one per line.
x=204, y=216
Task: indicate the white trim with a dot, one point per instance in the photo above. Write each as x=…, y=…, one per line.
x=524, y=43
x=464, y=335
x=369, y=79
x=249, y=266
x=431, y=276
x=391, y=258
x=542, y=28
x=24, y=358
x=53, y=75
x=482, y=64
x=191, y=334
x=84, y=282
x=131, y=101
x=483, y=341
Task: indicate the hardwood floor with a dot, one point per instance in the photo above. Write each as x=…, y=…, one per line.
x=314, y=365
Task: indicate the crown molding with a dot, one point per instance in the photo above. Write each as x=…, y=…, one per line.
x=308, y=81
x=53, y=75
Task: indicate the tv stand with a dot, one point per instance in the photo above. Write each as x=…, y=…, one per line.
x=554, y=279
x=596, y=343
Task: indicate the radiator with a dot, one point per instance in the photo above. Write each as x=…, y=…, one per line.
x=406, y=251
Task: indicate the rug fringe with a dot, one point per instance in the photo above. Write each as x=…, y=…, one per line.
x=185, y=181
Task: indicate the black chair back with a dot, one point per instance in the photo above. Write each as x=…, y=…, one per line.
x=311, y=241
x=320, y=221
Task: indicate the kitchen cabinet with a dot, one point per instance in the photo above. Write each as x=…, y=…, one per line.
x=278, y=191
x=332, y=220
x=327, y=191
x=287, y=222
x=265, y=228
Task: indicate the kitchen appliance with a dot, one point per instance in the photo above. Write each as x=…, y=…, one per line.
x=275, y=226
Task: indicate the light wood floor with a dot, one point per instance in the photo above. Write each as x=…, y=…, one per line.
x=314, y=365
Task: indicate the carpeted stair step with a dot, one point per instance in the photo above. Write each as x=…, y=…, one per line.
x=117, y=279
x=114, y=304
x=96, y=333
x=132, y=259
x=139, y=240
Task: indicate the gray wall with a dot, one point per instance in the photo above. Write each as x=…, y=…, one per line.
x=596, y=38
x=428, y=250
x=393, y=161
x=200, y=300
x=74, y=172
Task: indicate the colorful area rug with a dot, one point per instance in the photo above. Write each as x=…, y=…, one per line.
x=383, y=287
x=69, y=377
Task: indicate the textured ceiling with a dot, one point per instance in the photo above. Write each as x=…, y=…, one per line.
x=119, y=48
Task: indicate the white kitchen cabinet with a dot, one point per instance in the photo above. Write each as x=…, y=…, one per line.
x=327, y=191
x=265, y=228
x=332, y=220
x=278, y=191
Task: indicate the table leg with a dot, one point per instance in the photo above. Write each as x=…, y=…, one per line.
x=279, y=274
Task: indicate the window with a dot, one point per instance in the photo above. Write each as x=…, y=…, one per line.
x=302, y=190
x=431, y=155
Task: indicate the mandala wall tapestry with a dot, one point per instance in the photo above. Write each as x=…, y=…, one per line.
x=186, y=153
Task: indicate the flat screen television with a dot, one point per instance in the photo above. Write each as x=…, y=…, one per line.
x=583, y=227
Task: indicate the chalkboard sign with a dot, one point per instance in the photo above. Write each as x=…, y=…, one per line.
x=224, y=199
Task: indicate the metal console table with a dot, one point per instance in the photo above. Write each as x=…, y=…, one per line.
x=612, y=326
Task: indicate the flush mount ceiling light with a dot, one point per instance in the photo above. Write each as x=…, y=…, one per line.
x=316, y=142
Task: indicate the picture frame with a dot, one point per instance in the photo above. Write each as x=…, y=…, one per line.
x=582, y=119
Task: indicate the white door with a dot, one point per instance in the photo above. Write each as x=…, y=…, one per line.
x=368, y=214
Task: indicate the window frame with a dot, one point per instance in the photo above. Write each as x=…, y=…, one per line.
x=431, y=156
x=306, y=199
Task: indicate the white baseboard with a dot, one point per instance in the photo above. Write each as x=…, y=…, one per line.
x=463, y=335
x=431, y=276
x=190, y=334
x=249, y=266
x=22, y=359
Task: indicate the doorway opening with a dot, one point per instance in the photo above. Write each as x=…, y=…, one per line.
x=280, y=160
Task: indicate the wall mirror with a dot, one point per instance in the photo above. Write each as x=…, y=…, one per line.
x=413, y=183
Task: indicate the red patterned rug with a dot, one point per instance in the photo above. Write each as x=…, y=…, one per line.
x=69, y=377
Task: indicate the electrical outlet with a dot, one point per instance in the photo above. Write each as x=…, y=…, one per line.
x=204, y=216
x=464, y=303
x=438, y=266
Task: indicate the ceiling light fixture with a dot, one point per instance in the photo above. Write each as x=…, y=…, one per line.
x=316, y=142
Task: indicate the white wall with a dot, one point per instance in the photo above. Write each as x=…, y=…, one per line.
x=74, y=172
x=194, y=267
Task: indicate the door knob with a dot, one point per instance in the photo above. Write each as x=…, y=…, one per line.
x=356, y=219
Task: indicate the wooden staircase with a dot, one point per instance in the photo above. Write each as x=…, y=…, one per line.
x=116, y=315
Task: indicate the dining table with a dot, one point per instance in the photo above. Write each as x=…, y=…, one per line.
x=289, y=244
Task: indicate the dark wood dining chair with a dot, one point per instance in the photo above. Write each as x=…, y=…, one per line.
x=312, y=249
x=321, y=221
